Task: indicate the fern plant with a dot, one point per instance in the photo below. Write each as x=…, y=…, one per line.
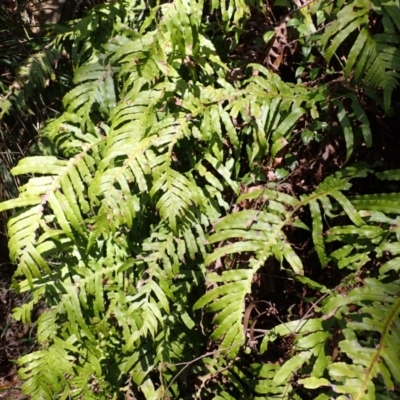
x=372, y=57
x=139, y=243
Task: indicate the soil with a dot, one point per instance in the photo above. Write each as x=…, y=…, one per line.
x=14, y=337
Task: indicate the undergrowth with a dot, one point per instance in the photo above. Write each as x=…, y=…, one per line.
x=152, y=228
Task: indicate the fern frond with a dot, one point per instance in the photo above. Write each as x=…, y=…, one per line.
x=261, y=230
x=228, y=301
x=385, y=202
x=367, y=316
x=349, y=18
x=369, y=362
x=95, y=87
x=374, y=60
x=179, y=195
x=332, y=186
x=317, y=232
x=32, y=77
x=47, y=369
x=177, y=18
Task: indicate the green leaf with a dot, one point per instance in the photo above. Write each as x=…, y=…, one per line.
x=362, y=118
x=314, y=383
x=347, y=129
x=317, y=232
x=390, y=175
x=291, y=366
x=385, y=202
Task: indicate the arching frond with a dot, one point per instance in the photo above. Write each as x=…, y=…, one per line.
x=141, y=236
x=374, y=60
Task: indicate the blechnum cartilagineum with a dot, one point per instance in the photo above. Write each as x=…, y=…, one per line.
x=139, y=238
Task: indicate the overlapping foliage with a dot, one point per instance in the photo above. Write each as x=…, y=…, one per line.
x=142, y=233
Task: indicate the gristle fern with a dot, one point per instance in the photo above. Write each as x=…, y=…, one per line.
x=142, y=235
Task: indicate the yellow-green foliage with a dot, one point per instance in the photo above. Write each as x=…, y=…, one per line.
x=118, y=231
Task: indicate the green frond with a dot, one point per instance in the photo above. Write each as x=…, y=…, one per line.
x=228, y=300
x=362, y=118
x=262, y=234
x=332, y=186
x=369, y=343
x=373, y=60
x=369, y=362
x=178, y=18
x=347, y=129
x=95, y=88
x=385, y=202
x=179, y=195
x=33, y=76
x=317, y=232
x=47, y=369
x=349, y=18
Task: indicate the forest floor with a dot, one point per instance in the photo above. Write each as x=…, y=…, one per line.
x=15, y=339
